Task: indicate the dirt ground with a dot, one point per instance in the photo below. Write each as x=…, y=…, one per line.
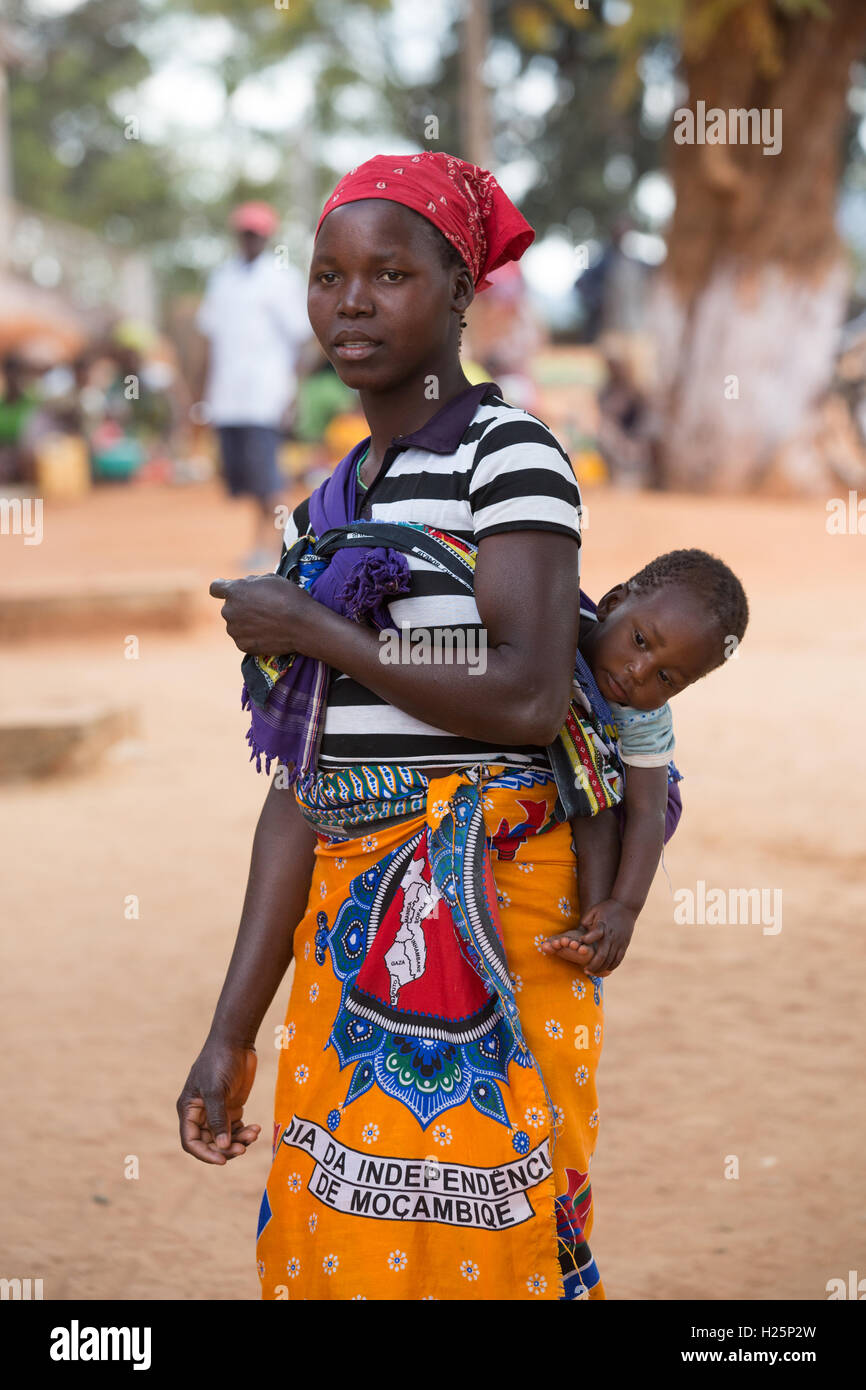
x=722, y=1043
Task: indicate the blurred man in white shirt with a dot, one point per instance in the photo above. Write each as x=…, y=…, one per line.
x=254, y=317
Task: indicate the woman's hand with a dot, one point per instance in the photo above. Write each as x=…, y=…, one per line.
x=265, y=615
x=211, y=1104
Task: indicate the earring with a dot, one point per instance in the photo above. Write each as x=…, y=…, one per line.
x=463, y=325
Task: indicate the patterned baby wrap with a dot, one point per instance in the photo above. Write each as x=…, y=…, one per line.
x=436, y=1109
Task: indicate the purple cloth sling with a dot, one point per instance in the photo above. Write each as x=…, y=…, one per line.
x=358, y=583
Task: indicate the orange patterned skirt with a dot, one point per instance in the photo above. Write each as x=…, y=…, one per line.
x=436, y=1107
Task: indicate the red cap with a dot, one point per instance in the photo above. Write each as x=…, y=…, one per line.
x=255, y=217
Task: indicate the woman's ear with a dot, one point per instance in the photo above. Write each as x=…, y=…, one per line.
x=463, y=291
x=611, y=600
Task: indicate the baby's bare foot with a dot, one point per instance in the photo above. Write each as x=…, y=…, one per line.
x=570, y=946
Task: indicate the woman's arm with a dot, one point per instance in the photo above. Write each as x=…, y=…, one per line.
x=278, y=886
x=527, y=594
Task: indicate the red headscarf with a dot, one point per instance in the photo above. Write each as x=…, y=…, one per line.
x=463, y=201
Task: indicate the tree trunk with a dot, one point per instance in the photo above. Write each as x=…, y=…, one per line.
x=747, y=310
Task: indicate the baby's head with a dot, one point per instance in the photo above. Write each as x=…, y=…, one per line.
x=673, y=622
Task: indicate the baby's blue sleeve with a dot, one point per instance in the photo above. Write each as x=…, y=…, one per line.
x=646, y=737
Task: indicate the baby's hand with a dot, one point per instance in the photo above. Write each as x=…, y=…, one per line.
x=599, y=944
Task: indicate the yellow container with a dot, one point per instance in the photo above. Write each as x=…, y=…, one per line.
x=62, y=467
x=590, y=468
x=295, y=459
x=343, y=433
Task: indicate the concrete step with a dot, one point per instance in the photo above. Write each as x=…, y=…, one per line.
x=115, y=603
x=46, y=742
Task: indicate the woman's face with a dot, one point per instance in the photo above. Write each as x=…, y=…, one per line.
x=381, y=303
x=650, y=644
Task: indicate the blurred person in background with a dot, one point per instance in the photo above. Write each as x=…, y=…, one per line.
x=132, y=413
x=144, y=407
x=17, y=404
x=56, y=433
x=504, y=336
x=625, y=426
x=613, y=291
x=254, y=318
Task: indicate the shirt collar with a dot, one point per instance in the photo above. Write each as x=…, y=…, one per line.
x=443, y=431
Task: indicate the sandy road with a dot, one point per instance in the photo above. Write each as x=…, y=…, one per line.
x=721, y=1041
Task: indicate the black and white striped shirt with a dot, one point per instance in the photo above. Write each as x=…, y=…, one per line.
x=477, y=468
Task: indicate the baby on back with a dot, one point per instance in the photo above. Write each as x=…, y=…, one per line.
x=676, y=620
